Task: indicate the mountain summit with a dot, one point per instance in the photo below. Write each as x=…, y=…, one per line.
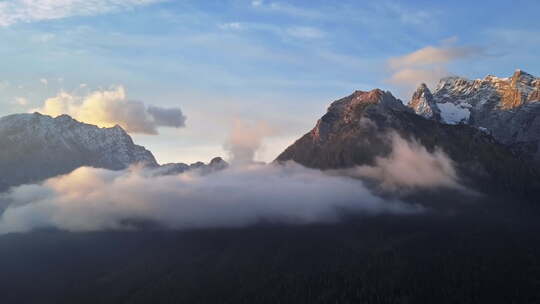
x=507, y=108
x=36, y=146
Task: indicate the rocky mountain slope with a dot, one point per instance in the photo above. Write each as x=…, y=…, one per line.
x=506, y=108
x=36, y=147
x=353, y=132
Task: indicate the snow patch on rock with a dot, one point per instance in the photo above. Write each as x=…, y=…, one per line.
x=454, y=114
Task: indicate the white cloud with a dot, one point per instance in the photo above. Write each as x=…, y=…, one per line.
x=44, y=81
x=431, y=55
x=410, y=78
x=245, y=139
x=287, y=9
x=411, y=165
x=427, y=65
x=17, y=11
x=110, y=107
x=90, y=199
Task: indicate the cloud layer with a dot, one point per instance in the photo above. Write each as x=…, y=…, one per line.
x=92, y=199
x=111, y=107
x=16, y=11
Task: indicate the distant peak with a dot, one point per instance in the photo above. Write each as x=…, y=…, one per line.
x=520, y=74
x=216, y=160
x=422, y=88
x=63, y=117
x=373, y=96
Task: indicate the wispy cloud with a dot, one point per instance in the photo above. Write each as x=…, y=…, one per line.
x=245, y=139
x=305, y=32
x=231, y=26
x=288, y=9
x=408, y=16
x=293, y=31
x=427, y=64
x=431, y=55
x=411, y=165
x=16, y=11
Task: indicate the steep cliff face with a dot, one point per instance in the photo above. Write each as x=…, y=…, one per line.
x=35, y=147
x=423, y=104
x=507, y=108
x=355, y=131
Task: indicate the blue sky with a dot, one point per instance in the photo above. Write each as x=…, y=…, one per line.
x=274, y=62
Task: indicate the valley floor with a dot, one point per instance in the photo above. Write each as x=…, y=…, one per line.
x=477, y=257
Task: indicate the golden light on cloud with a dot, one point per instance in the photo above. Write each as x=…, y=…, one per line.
x=108, y=108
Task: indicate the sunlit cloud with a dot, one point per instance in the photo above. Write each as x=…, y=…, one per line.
x=427, y=65
x=108, y=108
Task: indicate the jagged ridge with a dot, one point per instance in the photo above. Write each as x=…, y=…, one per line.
x=36, y=147
x=507, y=108
x=353, y=130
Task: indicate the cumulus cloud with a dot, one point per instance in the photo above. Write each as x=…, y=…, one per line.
x=17, y=11
x=90, y=199
x=427, y=65
x=111, y=107
x=410, y=165
x=245, y=139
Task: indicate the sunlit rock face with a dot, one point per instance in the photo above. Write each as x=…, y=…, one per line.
x=35, y=147
x=424, y=105
x=507, y=108
x=354, y=132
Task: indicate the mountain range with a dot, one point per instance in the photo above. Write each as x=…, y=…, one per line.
x=489, y=128
x=506, y=108
x=36, y=147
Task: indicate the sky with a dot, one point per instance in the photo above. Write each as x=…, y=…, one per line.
x=267, y=67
